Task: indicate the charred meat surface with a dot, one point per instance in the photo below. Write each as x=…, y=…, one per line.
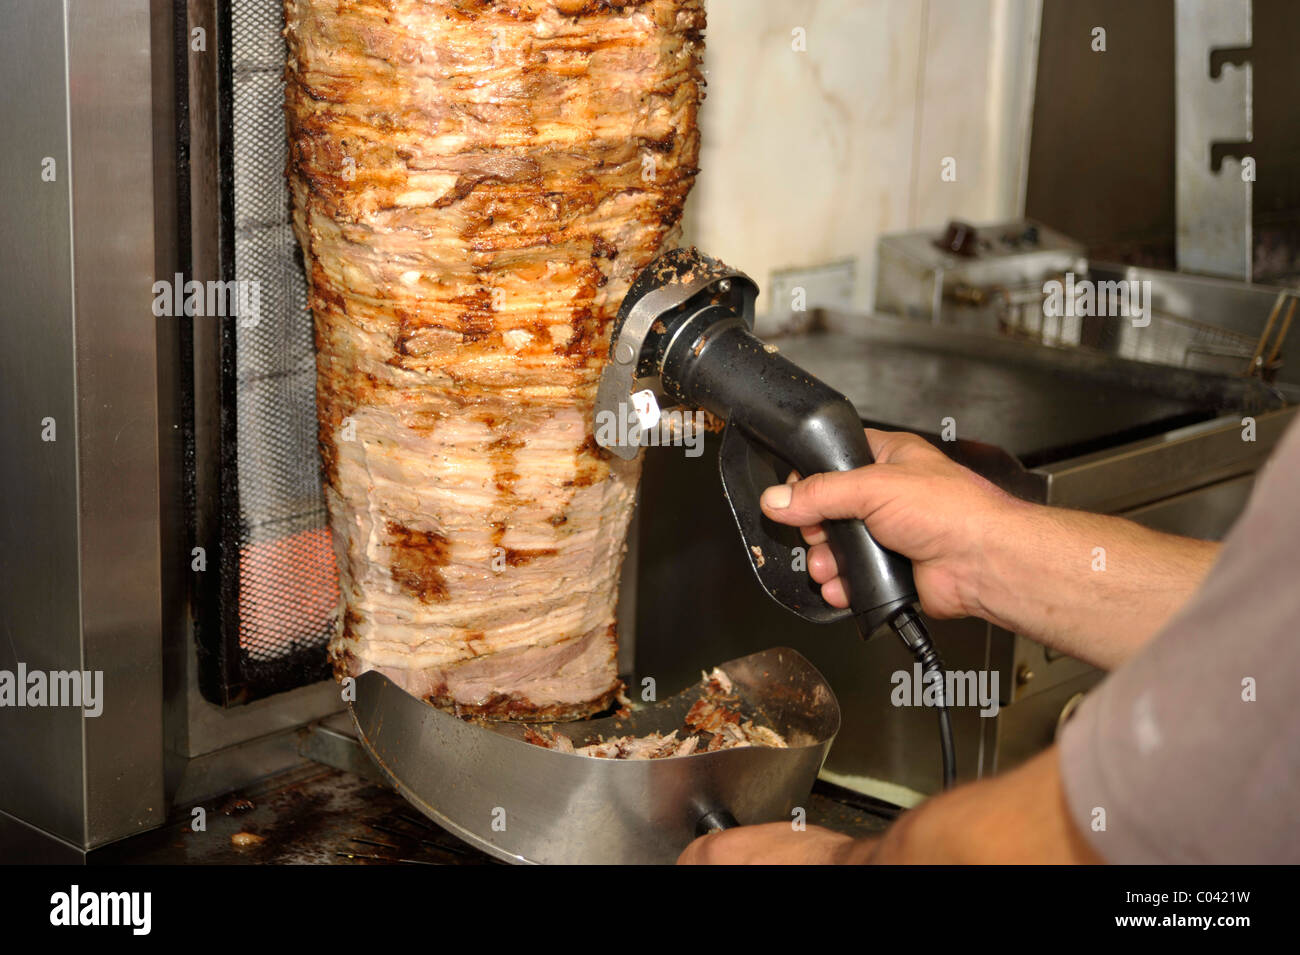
x=475, y=184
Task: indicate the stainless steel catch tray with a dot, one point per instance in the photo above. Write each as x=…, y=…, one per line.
x=525, y=803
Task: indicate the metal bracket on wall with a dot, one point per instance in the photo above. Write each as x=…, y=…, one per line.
x=1214, y=135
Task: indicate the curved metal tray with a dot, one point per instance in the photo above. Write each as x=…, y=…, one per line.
x=528, y=804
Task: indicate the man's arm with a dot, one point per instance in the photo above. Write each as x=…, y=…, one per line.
x=1092, y=586
x=1181, y=752
x=1017, y=817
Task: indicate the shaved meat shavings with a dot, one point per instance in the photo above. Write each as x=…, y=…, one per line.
x=651, y=746
x=713, y=723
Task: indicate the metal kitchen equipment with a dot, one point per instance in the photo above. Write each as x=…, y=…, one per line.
x=163, y=536
x=999, y=287
x=522, y=802
x=978, y=276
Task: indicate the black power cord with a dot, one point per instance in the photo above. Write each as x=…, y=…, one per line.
x=910, y=628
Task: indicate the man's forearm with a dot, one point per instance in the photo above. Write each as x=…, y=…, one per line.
x=1093, y=586
x=1020, y=816
x=1017, y=817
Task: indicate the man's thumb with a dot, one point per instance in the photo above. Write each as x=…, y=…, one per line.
x=829, y=496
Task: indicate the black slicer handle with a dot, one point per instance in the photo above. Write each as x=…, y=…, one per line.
x=808, y=425
x=772, y=560
x=715, y=820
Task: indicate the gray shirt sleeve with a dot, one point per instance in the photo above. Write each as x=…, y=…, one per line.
x=1190, y=752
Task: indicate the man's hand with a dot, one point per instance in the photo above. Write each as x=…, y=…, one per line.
x=1047, y=573
x=776, y=843
x=916, y=501
x=1017, y=817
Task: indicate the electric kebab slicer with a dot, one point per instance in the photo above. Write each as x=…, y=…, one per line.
x=683, y=337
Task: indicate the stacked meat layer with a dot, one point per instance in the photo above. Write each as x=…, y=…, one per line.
x=475, y=185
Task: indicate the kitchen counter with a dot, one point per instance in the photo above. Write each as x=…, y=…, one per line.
x=317, y=815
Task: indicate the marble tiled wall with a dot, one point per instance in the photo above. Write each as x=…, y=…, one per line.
x=808, y=156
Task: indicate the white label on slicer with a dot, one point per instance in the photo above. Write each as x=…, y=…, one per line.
x=647, y=409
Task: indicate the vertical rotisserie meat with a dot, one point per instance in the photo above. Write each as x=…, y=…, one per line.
x=475, y=184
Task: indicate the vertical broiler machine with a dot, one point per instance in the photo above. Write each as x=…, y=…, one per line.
x=166, y=526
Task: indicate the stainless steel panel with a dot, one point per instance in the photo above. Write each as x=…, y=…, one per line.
x=40, y=750
x=82, y=567
x=1207, y=513
x=1213, y=204
x=212, y=775
x=209, y=727
x=1115, y=161
x=21, y=842
x=1029, y=668
x=1120, y=479
x=1029, y=727
x=333, y=742
x=110, y=114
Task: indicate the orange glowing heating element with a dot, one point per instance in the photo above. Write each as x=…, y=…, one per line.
x=288, y=593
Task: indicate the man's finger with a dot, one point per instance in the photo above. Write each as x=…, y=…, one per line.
x=877, y=440
x=821, y=564
x=697, y=853
x=834, y=594
x=889, y=447
x=774, y=843
x=813, y=535
x=830, y=496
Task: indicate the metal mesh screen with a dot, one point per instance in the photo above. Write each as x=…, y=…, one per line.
x=288, y=597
